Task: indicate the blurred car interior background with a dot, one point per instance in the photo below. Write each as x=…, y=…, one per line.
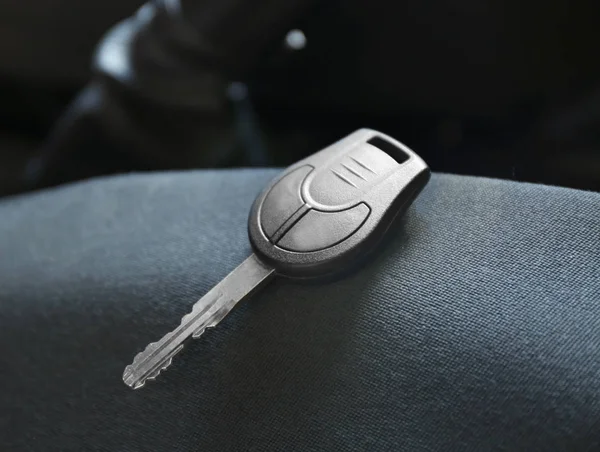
x=498, y=88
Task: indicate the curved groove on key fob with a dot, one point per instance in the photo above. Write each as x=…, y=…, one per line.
x=326, y=211
x=283, y=200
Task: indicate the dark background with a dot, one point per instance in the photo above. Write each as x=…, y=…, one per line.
x=475, y=329
x=506, y=89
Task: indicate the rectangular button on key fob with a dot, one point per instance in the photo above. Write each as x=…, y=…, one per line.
x=320, y=216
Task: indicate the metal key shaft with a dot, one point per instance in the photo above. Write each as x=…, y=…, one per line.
x=207, y=312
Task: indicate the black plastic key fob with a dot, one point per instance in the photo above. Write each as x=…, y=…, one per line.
x=328, y=210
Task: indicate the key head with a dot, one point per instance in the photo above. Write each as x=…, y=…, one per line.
x=327, y=211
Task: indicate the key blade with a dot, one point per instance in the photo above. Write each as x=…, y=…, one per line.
x=207, y=312
x=131, y=377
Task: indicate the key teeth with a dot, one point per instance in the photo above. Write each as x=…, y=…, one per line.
x=157, y=372
x=128, y=374
x=199, y=332
x=137, y=382
x=148, y=350
x=186, y=317
x=211, y=323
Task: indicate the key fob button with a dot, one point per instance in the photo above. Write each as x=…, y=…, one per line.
x=319, y=230
x=350, y=177
x=283, y=200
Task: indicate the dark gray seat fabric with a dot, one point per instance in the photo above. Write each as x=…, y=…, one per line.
x=477, y=328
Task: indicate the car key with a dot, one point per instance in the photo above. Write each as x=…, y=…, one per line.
x=320, y=216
